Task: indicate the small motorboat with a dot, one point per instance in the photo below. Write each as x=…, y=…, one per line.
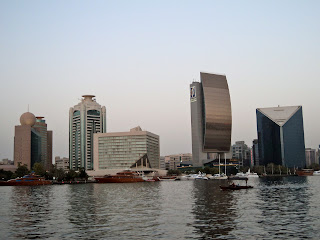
x=235, y=187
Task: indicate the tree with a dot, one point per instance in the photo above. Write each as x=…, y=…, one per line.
x=5, y=175
x=71, y=175
x=39, y=169
x=59, y=174
x=83, y=174
x=21, y=171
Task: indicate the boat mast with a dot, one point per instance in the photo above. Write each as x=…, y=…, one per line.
x=219, y=164
x=225, y=164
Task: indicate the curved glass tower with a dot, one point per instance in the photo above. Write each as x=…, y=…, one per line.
x=85, y=119
x=211, y=119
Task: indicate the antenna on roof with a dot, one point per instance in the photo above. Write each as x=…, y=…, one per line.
x=28, y=107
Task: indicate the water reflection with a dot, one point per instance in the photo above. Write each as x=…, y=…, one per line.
x=214, y=210
x=285, y=208
x=29, y=211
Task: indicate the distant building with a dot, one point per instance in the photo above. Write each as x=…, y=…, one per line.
x=62, y=163
x=177, y=160
x=255, y=152
x=46, y=142
x=31, y=143
x=6, y=161
x=162, y=163
x=242, y=152
x=311, y=157
x=210, y=117
x=123, y=150
x=85, y=119
x=281, y=136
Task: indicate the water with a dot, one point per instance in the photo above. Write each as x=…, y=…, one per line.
x=278, y=208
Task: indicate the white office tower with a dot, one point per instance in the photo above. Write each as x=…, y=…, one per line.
x=85, y=119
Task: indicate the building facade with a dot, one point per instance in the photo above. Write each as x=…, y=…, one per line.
x=242, y=152
x=211, y=119
x=255, y=152
x=122, y=150
x=62, y=163
x=281, y=136
x=311, y=157
x=85, y=119
x=32, y=142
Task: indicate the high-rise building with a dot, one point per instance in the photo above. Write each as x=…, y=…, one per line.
x=281, y=136
x=32, y=142
x=255, y=152
x=46, y=142
x=242, y=152
x=311, y=157
x=85, y=119
x=210, y=117
x=122, y=150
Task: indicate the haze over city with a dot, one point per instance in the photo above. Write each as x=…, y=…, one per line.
x=139, y=57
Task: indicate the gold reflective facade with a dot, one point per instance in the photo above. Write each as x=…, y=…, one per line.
x=217, y=113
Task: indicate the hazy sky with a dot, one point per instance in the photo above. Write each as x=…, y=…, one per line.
x=139, y=57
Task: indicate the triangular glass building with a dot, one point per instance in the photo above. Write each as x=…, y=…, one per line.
x=281, y=136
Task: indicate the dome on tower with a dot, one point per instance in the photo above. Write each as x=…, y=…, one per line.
x=27, y=119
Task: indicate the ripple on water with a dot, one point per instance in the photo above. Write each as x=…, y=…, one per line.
x=278, y=208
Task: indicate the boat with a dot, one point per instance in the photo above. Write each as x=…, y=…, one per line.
x=126, y=176
x=167, y=178
x=27, y=180
x=251, y=174
x=219, y=177
x=305, y=172
x=234, y=187
x=316, y=173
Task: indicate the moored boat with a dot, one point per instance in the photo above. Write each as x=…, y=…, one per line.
x=235, y=187
x=121, y=177
x=27, y=180
x=316, y=173
x=167, y=178
x=305, y=172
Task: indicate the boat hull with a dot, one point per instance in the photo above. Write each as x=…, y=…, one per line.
x=116, y=179
x=304, y=172
x=235, y=187
x=25, y=183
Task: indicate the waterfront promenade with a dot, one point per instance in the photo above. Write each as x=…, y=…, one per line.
x=276, y=208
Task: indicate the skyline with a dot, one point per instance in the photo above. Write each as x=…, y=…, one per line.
x=139, y=58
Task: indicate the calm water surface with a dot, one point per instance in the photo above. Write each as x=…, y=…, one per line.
x=278, y=208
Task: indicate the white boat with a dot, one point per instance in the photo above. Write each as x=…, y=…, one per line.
x=219, y=176
x=251, y=174
x=200, y=175
x=316, y=173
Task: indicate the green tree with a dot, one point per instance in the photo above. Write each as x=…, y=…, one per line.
x=83, y=174
x=5, y=175
x=39, y=169
x=21, y=171
x=59, y=174
x=71, y=175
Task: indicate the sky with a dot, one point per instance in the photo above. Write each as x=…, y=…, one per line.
x=139, y=57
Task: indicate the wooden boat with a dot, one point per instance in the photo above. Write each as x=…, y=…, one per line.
x=234, y=187
x=167, y=178
x=27, y=180
x=305, y=172
x=126, y=176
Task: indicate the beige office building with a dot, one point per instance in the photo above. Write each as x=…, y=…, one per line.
x=32, y=142
x=123, y=150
